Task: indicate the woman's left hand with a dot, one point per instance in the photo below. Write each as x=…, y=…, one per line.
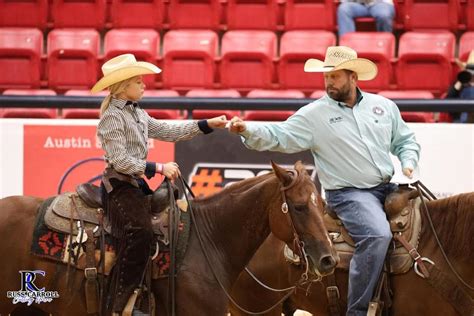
x=217, y=122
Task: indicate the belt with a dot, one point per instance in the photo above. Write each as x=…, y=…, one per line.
x=111, y=173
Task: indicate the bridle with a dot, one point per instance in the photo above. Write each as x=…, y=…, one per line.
x=298, y=244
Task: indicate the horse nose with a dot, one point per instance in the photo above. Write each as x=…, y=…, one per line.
x=327, y=264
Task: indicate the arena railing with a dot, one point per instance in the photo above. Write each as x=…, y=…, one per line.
x=190, y=104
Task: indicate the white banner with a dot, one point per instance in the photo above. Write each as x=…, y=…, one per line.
x=446, y=165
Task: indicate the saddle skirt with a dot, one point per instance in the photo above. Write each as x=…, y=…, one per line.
x=406, y=222
x=69, y=210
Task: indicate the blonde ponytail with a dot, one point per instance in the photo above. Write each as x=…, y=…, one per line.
x=115, y=90
x=105, y=104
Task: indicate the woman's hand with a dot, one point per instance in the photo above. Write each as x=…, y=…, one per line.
x=171, y=170
x=217, y=122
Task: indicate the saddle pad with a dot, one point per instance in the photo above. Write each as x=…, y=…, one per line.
x=54, y=245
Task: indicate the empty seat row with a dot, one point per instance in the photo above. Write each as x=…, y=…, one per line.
x=231, y=14
x=247, y=59
x=254, y=115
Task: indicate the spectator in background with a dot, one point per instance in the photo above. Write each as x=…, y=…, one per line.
x=463, y=88
x=383, y=11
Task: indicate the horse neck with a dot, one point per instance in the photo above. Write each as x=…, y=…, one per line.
x=234, y=224
x=452, y=219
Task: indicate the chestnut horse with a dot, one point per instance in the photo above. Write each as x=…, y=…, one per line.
x=453, y=220
x=232, y=225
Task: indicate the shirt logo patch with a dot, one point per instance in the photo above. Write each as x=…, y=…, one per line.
x=377, y=110
x=335, y=119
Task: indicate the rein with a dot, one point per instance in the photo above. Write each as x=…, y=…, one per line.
x=285, y=209
x=424, y=192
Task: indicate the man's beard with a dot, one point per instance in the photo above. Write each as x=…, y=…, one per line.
x=340, y=95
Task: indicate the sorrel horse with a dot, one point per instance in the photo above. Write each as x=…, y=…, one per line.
x=232, y=225
x=453, y=220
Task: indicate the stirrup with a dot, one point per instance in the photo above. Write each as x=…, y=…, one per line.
x=374, y=309
x=128, y=310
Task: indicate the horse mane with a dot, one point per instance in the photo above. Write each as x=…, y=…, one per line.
x=453, y=219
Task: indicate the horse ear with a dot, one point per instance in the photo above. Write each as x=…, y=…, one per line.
x=299, y=166
x=281, y=173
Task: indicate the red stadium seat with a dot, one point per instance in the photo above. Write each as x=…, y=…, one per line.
x=137, y=13
x=72, y=58
x=81, y=114
x=317, y=94
x=194, y=14
x=24, y=13
x=425, y=117
x=79, y=13
x=271, y=115
x=163, y=114
x=77, y=113
x=86, y=93
x=301, y=14
x=20, y=57
x=431, y=14
x=188, y=59
x=247, y=59
x=143, y=43
x=378, y=47
x=425, y=61
x=252, y=14
x=210, y=93
x=29, y=112
x=295, y=48
x=470, y=15
x=466, y=44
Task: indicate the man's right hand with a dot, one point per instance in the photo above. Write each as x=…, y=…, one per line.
x=237, y=125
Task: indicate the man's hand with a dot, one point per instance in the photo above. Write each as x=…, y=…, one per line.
x=237, y=125
x=217, y=122
x=408, y=172
x=171, y=170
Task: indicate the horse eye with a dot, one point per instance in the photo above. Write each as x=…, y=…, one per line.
x=301, y=207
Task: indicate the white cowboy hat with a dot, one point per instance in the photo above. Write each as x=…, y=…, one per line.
x=121, y=68
x=342, y=57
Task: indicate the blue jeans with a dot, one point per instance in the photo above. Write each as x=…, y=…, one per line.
x=361, y=212
x=382, y=12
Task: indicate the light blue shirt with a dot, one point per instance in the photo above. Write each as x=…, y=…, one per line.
x=351, y=146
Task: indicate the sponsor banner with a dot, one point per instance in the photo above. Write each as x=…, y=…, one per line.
x=58, y=158
x=38, y=154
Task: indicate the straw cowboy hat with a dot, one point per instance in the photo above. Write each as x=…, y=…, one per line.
x=342, y=57
x=121, y=68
